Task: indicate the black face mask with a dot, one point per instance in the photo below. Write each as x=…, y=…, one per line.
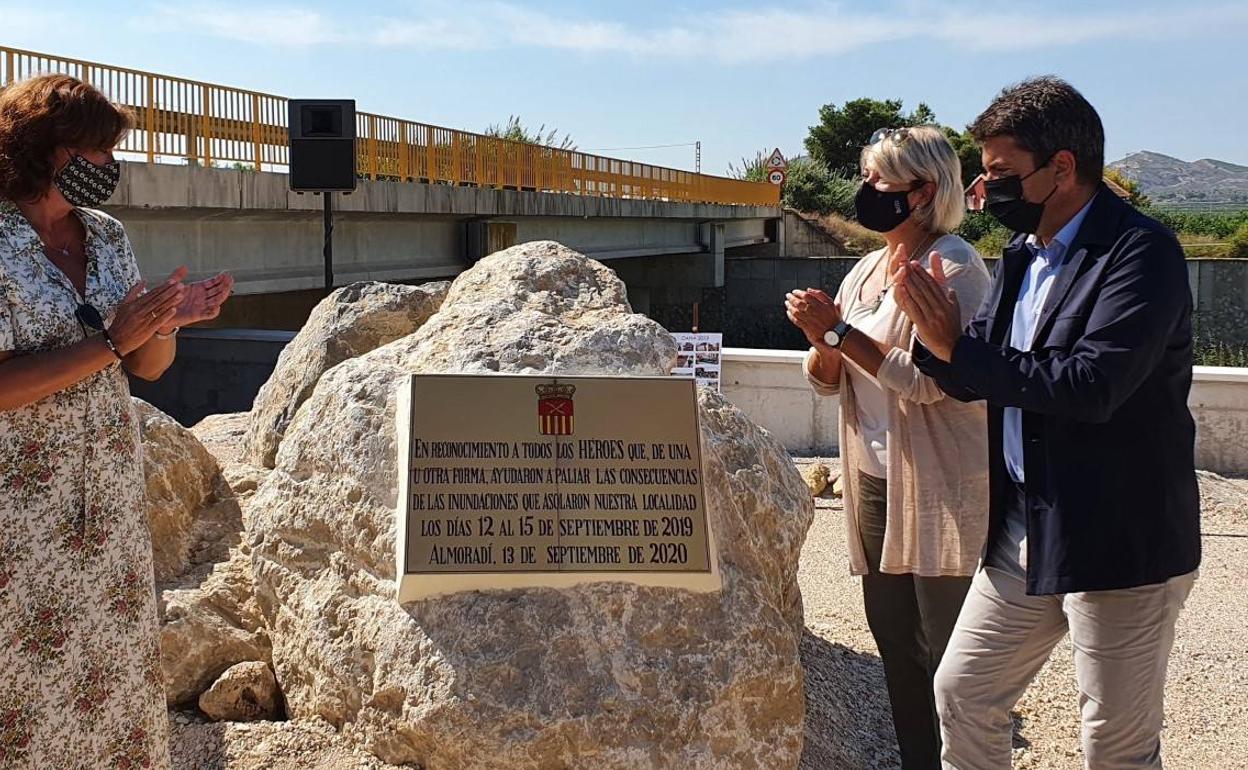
x=86, y=185
x=1003, y=198
x=881, y=211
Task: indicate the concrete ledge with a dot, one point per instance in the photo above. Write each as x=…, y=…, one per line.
x=768, y=386
x=1219, y=404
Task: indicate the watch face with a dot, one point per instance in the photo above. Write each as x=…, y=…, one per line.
x=832, y=338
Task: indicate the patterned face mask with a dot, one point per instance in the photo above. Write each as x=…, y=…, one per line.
x=86, y=185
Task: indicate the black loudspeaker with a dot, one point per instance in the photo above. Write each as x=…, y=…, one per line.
x=322, y=145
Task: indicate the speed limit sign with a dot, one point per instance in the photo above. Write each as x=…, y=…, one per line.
x=776, y=176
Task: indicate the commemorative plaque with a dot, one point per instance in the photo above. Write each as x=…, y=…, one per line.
x=515, y=481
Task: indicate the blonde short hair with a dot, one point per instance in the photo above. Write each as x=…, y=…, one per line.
x=924, y=155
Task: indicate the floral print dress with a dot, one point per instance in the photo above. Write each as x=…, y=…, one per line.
x=81, y=686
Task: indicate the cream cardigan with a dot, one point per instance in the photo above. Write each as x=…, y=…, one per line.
x=937, y=446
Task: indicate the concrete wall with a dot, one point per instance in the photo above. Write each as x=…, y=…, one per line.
x=272, y=252
x=1220, y=300
x=176, y=186
x=215, y=372
x=804, y=239
x=769, y=387
x=749, y=309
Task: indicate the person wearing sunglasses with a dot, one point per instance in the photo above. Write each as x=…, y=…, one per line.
x=915, y=462
x=80, y=673
x=1083, y=353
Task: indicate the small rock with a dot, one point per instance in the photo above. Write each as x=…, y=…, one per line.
x=816, y=476
x=838, y=487
x=244, y=693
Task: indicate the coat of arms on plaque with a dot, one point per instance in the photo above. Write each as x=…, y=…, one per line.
x=554, y=409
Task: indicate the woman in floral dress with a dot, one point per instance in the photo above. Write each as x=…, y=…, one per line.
x=81, y=686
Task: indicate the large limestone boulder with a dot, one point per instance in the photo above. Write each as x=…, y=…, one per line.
x=209, y=628
x=208, y=610
x=349, y=322
x=223, y=435
x=183, y=485
x=603, y=676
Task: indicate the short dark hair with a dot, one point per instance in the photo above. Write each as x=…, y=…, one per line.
x=43, y=113
x=1046, y=115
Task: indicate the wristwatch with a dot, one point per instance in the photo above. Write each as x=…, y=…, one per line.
x=837, y=334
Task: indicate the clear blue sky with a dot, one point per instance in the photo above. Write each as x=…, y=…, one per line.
x=740, y=77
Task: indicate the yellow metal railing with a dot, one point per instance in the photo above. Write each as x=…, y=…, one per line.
x=213, y=125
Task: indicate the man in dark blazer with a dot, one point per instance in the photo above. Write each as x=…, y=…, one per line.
x=1083, y=351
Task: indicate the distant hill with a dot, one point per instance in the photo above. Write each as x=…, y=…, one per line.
x=1169, y=180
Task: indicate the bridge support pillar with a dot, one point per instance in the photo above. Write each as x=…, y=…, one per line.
x=484, y=237
x=774, y=229
x=708, y=269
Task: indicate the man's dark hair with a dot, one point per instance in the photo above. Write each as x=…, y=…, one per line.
x=1046, y=115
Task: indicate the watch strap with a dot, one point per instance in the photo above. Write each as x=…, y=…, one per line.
x=842, y=330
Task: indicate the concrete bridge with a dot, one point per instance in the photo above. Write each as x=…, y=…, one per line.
x=249, y=223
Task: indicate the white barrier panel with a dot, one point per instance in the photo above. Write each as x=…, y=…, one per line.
x=769, y=387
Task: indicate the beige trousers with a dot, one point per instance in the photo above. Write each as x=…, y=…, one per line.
x=1121, y=640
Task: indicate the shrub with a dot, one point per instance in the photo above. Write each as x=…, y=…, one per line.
x=992, y=243
x=810, y=188
x=840, y=196
x=1239, y=242
x=977, y=224
x=805, y=186
x=1220, y=225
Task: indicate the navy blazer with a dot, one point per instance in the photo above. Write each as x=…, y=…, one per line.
x=1108, y=440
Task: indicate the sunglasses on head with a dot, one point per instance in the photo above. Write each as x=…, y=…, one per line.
x=894, y=135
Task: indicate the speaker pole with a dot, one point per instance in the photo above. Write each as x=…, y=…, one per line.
x=329, y=242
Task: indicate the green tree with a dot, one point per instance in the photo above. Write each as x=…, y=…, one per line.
x=806, y=186
x=810, y=188
x=968, y=153
x=842, y=131
x=516, y=131
x=1137, y=199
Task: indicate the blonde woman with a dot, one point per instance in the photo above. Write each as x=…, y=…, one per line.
x=915, y=461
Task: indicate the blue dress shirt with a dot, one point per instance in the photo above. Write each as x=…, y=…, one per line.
x=1046, y=261
x=1009, y=551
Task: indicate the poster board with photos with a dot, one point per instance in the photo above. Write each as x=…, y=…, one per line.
x=699, y=356
x=519, y=481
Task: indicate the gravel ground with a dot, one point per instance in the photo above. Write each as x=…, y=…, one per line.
x=848, y=724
